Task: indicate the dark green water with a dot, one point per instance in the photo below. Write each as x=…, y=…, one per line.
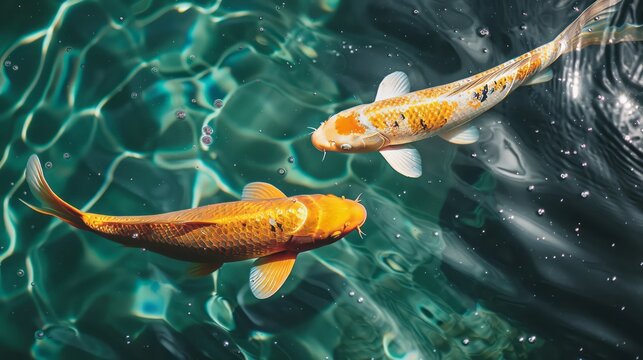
x=527, y=244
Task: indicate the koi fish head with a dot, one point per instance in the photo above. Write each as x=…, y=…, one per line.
x=346, y=132
x=329, y=219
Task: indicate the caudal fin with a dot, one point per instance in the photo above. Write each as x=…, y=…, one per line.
x=593, y=27
x=51, y=203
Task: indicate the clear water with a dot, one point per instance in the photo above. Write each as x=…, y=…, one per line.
x=524, y=245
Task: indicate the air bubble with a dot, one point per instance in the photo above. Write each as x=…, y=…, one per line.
x=15, y=68
x=483, y=32
x=485, y=50
x=531, y=187
x=291, y=159
x=7, y=63
x=281, y=171
x=180, y=114
x=465, y=341
x=154, y=69
x=360, y=300
x=541, y=212
x=49, y=165
x=416, y=12
x=39, y=335
x=206, y=140
x=66, y=156
x=564, y=176
x=207, y=130
x=352, y=293
x=134, y=95
x=532, y=339
x=584, y=194
x=523, y=26
x=226, y=344
x=135, y=236
x=20, y=273
x=218, y=103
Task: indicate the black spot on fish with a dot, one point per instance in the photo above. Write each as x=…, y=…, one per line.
x=272, y=228
x=402, y=117
x=476, y=95
x=395, y=124
x=280, y=226
x=485, y=91
x=423, y=124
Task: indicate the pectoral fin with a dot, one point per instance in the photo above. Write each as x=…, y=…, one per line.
x=394, y=84
x=202, y=269
x=270, y=272
x=261, y=191
x=462, y=136
x=405, y=159
x=540, y=78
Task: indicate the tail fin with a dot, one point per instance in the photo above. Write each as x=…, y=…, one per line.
x=592, y=27
x=52, y=204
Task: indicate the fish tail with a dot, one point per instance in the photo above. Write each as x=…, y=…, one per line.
x=593, y=27
x=51, y=203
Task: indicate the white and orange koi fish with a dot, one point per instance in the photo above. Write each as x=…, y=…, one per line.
x=398, y=117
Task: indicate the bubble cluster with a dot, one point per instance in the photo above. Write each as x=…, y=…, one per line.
x=206, y=135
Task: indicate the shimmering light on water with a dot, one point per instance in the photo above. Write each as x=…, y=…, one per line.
x=525, y=244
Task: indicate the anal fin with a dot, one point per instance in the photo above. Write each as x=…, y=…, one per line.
x=269, y=273
x=203, y=269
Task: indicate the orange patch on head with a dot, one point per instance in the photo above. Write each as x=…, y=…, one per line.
x=348, y=124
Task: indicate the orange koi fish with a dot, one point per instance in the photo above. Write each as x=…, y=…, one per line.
x=265, y=224
x=397, y=117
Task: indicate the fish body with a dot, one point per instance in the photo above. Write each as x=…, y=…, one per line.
x=265, y=224
x=398, y=117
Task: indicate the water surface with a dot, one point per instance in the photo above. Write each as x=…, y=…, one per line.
x=526, y=244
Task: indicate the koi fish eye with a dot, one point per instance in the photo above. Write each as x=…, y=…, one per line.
x=346, y=147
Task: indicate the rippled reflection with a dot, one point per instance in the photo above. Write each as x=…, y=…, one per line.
x=525, y=244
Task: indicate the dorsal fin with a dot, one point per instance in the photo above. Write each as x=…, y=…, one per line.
x=394, y=84
x=261, y=191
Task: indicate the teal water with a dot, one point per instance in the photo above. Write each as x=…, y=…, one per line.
x=524, y=245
